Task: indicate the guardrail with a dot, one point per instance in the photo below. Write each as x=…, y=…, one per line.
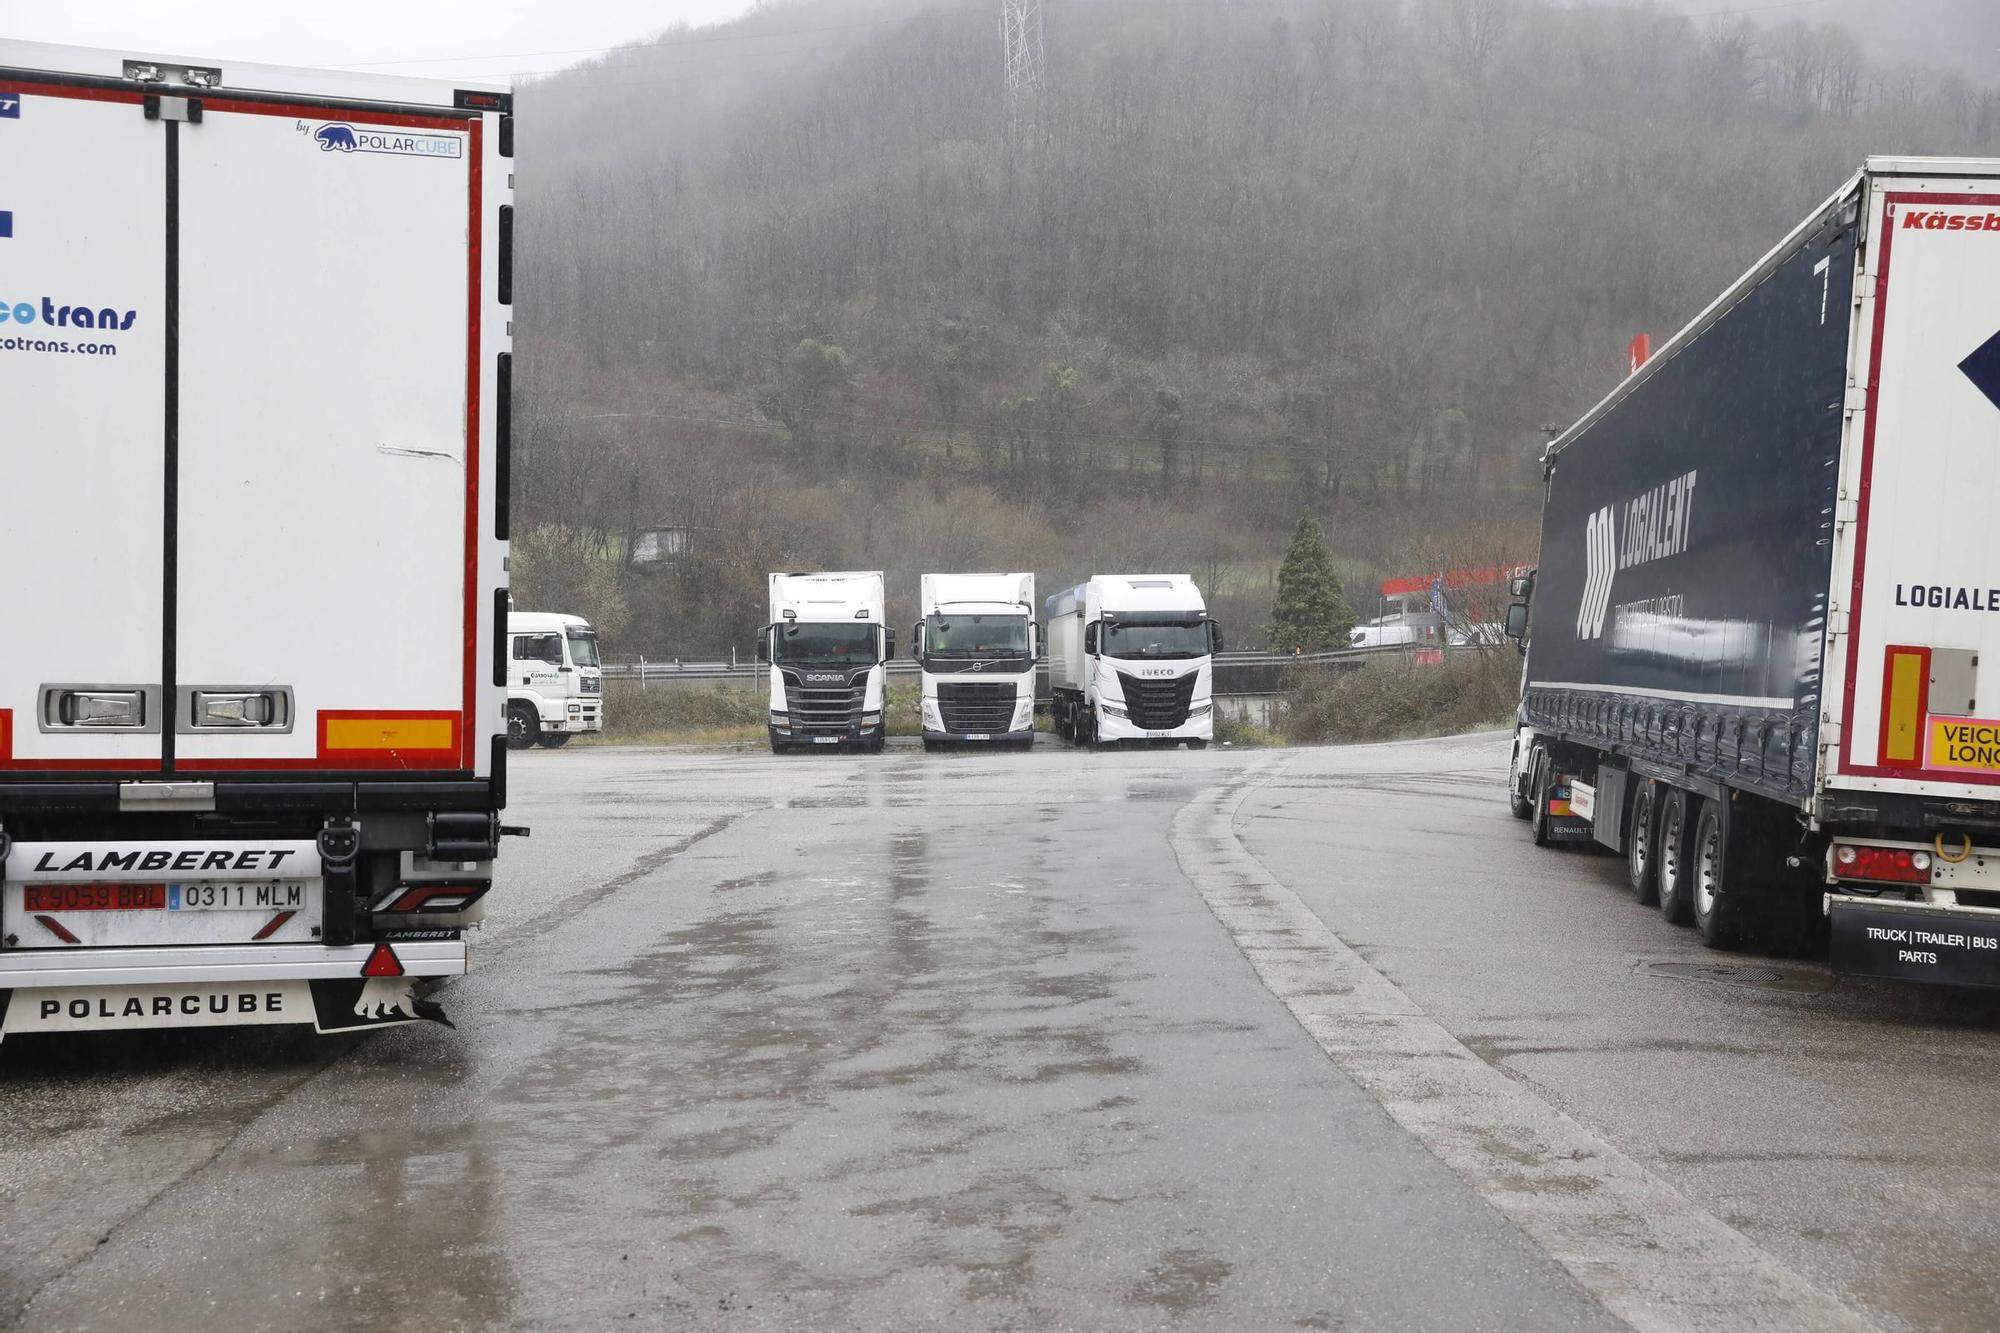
x=1235, y=673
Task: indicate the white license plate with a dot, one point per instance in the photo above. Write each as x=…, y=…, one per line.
x=826, y=740
x=1159, y=735
x=980, y=736
x=237, y=896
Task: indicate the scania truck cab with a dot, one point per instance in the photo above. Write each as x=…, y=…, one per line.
x=977, y=644
x=827, y=646
x=1131, y=659
x=555, y=682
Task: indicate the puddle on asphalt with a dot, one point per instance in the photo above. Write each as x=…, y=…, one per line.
x=1182, y=1280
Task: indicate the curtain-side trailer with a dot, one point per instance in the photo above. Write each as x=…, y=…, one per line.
x=1768, y=598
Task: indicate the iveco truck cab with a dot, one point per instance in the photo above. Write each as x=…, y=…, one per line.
x=827, y=647
x=1131, y=659
x=977, y=644
x=555, y=683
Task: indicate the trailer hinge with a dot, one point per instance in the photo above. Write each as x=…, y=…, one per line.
x=1845, y=511
x=1856, y=400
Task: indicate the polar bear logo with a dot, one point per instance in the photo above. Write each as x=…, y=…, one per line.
x=332, y=137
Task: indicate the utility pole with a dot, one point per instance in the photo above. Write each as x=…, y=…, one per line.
x=1022, y=51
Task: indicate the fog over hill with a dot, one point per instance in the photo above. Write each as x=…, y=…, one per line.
x=790, y=284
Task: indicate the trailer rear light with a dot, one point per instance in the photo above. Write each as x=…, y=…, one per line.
x=382, y=962
x=1888, y=865
x=454, y=897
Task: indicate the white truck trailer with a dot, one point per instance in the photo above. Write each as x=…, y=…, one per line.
x=1131, y=659
x=254, y=341
x=828, y=645
x=555, y=681
x=977, y=645
x=1768, y=601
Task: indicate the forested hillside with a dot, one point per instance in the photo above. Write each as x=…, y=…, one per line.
x=792, y=288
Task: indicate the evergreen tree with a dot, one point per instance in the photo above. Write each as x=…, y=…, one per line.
x=1311, y=614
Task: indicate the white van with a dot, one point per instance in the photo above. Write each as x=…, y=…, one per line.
x=555, y=683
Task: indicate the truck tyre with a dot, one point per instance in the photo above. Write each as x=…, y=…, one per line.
x=932, y=745
x=1716, y=918
x=524, y=726
x=876, y=746
x=555, y=740
x=1197, y=745
x=1673, y=848
x=1517, y=800
x=1642, y=837
x=1539, y=773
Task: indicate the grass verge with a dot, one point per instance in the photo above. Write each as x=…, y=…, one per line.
x=1472, y=689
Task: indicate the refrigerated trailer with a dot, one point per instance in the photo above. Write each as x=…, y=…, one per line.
x=1768, y=601
x=254, y=341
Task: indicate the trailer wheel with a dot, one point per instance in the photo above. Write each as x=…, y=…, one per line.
x=1716, y=919
x=1517, y=802
x=1674, y=854
x=555, y=740
x=1540, y=771
x=1641, y=838
x=524, y=726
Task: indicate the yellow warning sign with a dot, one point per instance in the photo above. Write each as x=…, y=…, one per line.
x=1965, y=743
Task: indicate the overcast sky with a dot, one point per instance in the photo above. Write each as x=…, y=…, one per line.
x=463, y=38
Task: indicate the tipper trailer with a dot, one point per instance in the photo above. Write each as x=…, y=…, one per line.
x=254, y=342
x=1131, y=658
x=1768, y=601
x=977, y=647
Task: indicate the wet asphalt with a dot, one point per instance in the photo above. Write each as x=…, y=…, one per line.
x=928, y=1041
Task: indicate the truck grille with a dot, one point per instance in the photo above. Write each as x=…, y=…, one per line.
x=824, y=708
x=987, y=707
x=1157, y=705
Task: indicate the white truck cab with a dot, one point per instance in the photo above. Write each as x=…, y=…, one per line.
x=1131, y=659
x=977, y=644
x=555, y=683
x=827, y=647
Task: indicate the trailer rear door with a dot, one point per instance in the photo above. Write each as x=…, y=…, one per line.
x=83, y=324
x=1921, y=693
x=328, y=447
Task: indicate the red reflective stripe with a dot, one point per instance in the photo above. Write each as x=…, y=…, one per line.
x=57, y=929
x=271, y=926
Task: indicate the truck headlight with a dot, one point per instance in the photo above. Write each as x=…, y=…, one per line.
x=871, y=719
x=781, y=721
x=1199, y=709
x=1112, y=710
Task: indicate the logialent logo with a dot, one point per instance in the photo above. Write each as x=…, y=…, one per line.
x=1655, y=527
x=339, y=137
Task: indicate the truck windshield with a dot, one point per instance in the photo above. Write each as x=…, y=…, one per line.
x=845, y=643
x=976, y=636
x=583, y=647
x=1175, y=636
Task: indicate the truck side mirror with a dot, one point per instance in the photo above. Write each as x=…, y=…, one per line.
x=888, y=644
x=1517, y=621
x=1036, y=639
x=1214, y=637
x=917, y=640
x=764, y=644
x=1090, y=638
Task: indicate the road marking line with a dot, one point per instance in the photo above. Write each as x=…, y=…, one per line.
x=1648, y=1253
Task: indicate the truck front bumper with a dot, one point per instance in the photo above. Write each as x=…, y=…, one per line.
x=982, y=737
x=1905, y=941
x=1199, y=728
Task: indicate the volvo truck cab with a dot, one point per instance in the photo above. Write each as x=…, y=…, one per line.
x=977, y=645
